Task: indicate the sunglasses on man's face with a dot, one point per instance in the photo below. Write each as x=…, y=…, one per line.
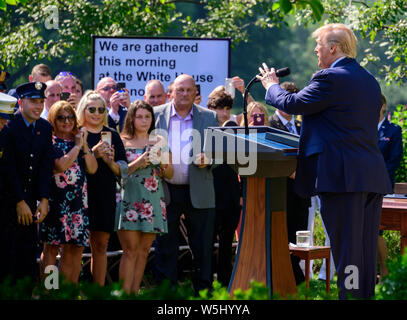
x=93, y=109
x=70, y=118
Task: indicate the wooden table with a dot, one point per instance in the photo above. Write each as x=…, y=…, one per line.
x=312, y=253
x=394, y=217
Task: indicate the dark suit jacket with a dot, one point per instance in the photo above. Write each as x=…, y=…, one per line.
x=338, y=149
x=227, y=188
x=302, y=203
x=117, y=126
x=275, y=122
x=391, y=146
x=28, y=160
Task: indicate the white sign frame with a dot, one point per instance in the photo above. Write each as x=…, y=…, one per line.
x=141, y=59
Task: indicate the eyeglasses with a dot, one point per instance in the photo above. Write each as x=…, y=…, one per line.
x=70, y=118
x=93, y=109
x=108, y=88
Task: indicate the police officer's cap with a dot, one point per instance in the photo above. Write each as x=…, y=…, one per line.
x=31, y=90
x=7, y=106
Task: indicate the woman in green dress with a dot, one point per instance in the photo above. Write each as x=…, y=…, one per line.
x=142, y=212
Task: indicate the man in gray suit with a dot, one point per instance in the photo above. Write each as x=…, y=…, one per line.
x=191, y=188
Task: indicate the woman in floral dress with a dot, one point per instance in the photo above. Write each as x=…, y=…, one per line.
x=143, y=212
x=67, y=223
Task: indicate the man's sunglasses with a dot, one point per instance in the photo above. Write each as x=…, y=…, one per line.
x=93, y=110
x=70, y=118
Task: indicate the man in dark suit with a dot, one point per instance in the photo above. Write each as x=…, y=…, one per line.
x=390, y=142
x=297, y=207
x=7, y=104
x=117, y=102
x=28, y=158
x=285, y=121
x=227, y=195
x=339, y=158
x=391, y=146
x=191, y=188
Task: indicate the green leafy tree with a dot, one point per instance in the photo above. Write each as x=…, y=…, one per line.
x=4, y=3
x=25, y=36
x=232, y=18
x=383, y=23
x=30, y=40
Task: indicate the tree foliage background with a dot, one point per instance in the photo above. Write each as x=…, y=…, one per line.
x=25, y=36
x=274, y=31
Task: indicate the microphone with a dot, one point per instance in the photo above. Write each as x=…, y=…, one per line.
x=279, y=73
x=283, y=72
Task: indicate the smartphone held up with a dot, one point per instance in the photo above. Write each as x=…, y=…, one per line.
x=106, y=136
x=258, y=119
x=120, y=88
x=65, y=96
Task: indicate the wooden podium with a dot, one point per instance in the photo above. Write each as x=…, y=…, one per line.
x=263, y=252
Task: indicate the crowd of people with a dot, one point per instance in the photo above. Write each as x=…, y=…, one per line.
x=82, y=166
x=78, y=167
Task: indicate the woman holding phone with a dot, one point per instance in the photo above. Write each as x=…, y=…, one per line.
x=143, y=211
x=108, y=149
x=257, y=114
x=67, y=223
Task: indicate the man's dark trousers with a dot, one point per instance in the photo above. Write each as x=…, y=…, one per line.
x=352, y=221
x=200, y=226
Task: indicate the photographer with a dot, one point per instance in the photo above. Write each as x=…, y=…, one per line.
x=68, y=83
x=116, y=102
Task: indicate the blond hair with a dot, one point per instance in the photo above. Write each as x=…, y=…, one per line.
x=250, y=108
x=341, y=35
x=89, y=96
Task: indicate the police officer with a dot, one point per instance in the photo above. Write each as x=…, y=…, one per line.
x=28, y=158
x=6, y=113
